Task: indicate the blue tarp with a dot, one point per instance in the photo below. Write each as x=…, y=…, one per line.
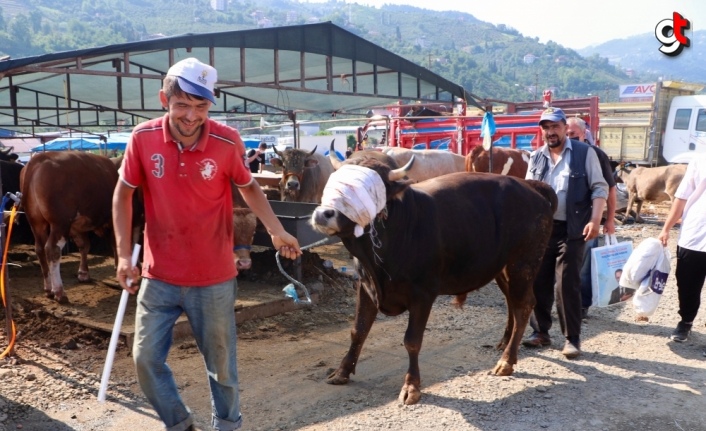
x=251, y=143
x=82, y=144
x=60, y=144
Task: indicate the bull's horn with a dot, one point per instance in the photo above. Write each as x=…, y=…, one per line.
x=313, y=151
x=277, y=152
x=398, y=174
x=332, y=155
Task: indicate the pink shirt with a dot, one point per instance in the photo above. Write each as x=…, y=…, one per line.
x=188, y=201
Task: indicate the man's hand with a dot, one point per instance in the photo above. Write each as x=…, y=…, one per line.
x=591, y=230
x=124, y=271
x=287, y=245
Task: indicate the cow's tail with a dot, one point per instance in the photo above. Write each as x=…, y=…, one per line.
x=545, y=190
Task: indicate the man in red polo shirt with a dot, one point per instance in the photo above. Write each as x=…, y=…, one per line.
x=184, y=163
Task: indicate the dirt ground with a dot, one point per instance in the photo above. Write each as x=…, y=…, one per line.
x=629, y=377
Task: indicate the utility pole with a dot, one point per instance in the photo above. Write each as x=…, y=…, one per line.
x=536, y=85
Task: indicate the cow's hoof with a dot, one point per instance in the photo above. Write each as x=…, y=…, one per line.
x=503, y=368
x=336, y=379
x=62, y=299
x=83, y=276
x=410, y=395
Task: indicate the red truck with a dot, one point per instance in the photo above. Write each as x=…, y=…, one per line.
x=439, y=125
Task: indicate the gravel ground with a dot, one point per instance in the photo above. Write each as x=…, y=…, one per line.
x=630, y=376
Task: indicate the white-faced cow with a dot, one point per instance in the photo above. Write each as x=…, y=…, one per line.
x=414, y=242
x=304, y=174
x=65, y=195
x=506, y=161
x=652, y=184
x=427, y=163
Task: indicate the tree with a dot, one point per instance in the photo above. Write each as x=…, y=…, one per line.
x=20, y=31
x=35, y=17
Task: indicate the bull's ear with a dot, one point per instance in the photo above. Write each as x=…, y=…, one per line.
x=397, y=188
x=310, y=163
x=276, y=162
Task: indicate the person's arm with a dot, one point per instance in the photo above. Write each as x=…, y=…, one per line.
x=675, y=214
x=599, y=194
x=122, y=227
x=282, y=240
x=609, y=226
x=254, y=156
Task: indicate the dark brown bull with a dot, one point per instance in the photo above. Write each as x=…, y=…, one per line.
x=304, y=174
x=506, y=161
x=65, y=195
x=422, y=245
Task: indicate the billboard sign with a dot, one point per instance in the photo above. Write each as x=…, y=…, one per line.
x=637, y=92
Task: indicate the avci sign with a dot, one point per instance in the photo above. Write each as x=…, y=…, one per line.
x=636, y=92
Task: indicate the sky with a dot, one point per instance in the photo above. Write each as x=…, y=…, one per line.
x=573, y=24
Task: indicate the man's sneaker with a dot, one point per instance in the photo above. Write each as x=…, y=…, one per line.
x=572, y=348
x=537, y=339
x=681, y=333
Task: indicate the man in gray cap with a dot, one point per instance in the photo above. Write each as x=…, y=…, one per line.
x=572, y=169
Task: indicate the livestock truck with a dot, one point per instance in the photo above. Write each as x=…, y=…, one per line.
x=456, y=128
x=668, y=127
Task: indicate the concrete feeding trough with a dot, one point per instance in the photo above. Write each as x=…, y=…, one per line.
x=294, y=217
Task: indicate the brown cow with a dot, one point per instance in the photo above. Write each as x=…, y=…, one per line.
x=244, y=225
x=652, y=184
x=420, y=245
x=427, y=163
x=65, y=195
x=506, y=161
x=304, y=174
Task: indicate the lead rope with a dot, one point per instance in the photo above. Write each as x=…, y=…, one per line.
x=289, y=289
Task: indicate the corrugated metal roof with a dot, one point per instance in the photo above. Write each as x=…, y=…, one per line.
x=306, y=68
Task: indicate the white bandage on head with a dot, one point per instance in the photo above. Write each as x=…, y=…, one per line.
x=357, y=192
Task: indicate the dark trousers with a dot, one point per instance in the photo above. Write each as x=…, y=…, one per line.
x=586, y=284
x=559, y=268
x=690, y=274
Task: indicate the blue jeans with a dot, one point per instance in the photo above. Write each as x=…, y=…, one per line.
x=586, y=287
x=211, y=314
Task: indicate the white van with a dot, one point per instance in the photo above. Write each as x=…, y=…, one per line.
x=685, y=134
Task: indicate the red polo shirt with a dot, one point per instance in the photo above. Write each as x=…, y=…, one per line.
x=188, y=202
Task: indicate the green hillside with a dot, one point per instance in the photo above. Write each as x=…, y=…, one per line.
x=490, y=61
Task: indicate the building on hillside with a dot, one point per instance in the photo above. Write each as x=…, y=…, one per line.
x=292, y=17
x=529, y=58
x=219, y=5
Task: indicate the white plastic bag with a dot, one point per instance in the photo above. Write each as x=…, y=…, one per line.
x=649, y=293
x=606, y=263
x=641, y=262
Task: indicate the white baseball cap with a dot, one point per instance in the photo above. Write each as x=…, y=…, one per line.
x=195, y=78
